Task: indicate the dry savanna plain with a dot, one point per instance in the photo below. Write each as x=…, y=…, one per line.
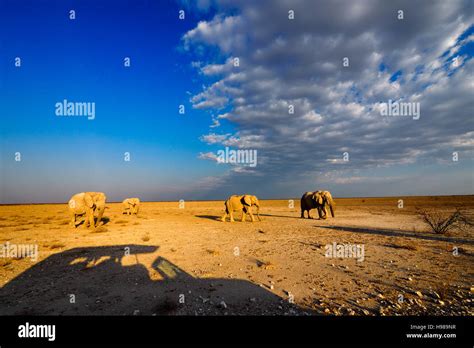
x=184, y=261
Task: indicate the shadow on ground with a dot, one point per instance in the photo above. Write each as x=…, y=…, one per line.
x=111, y=281
x=400, y=233
x=210, y=217
x=285, y=216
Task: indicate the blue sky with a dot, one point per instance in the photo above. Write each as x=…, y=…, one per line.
x=189, y=62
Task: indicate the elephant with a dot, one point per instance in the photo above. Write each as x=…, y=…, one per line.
x=242, y=203
x=319, y=200
x=131, y=206
x=87, y=203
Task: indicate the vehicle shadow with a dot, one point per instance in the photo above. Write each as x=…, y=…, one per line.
x=400, y=233
x=110, y=280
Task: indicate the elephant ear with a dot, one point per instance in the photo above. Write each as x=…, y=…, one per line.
x=254, y=200
x=247, y=200
x=318, y=198
x=327, y=196
x=89, y=200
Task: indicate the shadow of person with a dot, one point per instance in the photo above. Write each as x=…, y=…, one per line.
x=110, y=280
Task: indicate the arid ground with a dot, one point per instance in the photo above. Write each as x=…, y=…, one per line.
x=171, y=261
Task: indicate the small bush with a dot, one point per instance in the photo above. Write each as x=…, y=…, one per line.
x=56, y=246
x=443, y=222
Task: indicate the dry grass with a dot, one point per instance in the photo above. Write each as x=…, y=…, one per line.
x=213, y=252
x=56, y=246
x=5, y=262
x=265, y=264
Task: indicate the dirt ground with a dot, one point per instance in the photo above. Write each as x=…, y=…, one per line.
x=173, y=261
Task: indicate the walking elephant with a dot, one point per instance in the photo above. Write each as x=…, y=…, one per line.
x=242, y=203
x=87, y=203
x=131, y=206
x=320, y=200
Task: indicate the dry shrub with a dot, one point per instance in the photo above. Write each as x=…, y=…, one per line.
x=265, y=264
x=213, y=252
x=5, y=262
x=443, y=222
x=146, y=238
x=56, y=246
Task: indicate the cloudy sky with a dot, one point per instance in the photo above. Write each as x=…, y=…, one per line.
x=238, y=68
x=424, y=57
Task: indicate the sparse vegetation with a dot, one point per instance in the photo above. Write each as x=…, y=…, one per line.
x=56, y=246
x=265, y=264
x=213, y=252
x=442, y=222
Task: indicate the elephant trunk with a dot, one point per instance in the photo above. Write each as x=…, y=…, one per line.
x=100, y=211
x=332, y=207
x=258, y=212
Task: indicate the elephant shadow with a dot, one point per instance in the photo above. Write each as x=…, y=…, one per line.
x=110, y=280
x=210, y=217
x=399, y=233
x=104, y=220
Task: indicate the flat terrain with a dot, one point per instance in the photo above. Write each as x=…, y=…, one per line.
x=176, y=261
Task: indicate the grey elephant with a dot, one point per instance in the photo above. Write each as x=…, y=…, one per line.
x=131, y=206
x=320, y=200
x=87, y=203
x=241, y=203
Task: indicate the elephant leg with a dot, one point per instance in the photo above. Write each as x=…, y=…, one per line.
x=231, y=216
x=326, y=213
x=92, y=220
x=251, y=216
x=320, y=214
x=223, y=217
x=309, y=215
x=89, y=220
x=302, y=213
x=73, y=220
x=99, y=217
